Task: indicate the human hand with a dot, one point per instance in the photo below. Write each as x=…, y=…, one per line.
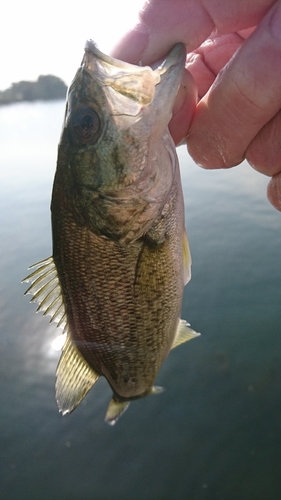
x=238, y=114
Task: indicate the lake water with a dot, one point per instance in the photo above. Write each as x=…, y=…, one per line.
x=215, y=433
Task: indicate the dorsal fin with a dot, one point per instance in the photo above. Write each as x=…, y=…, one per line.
x=74, y=377
x=184, y=333
x=46, y=290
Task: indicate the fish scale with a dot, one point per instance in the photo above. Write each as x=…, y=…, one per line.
x=120, y=252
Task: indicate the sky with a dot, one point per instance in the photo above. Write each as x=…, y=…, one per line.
x=40, y=38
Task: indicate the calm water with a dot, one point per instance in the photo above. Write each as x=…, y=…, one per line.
x=215, y=433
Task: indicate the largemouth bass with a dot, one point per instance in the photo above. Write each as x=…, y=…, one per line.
x=120, y=252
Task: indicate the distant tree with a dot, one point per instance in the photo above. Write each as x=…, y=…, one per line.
x=47, y=87
x=50, y=87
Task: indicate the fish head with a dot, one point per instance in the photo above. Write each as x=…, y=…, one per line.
x=113, y=161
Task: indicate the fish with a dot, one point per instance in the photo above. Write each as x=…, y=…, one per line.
x=121, y=257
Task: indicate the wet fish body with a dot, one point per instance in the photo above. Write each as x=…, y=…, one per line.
x=120, y=252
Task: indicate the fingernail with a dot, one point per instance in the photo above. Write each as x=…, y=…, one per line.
x=133, y=45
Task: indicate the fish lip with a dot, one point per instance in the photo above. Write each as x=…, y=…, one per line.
x=176, y=56
x=91, y=46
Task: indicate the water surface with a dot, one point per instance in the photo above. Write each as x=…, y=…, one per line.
x=215, y=433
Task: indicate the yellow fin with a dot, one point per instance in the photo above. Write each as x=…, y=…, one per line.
x=184, y=333
x=74, y=377
x=46, y=290
x=115, y=410
x=186, y=258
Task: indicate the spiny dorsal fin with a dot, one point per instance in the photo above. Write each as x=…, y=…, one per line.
x=74, y=377
x=46, y=290
x=115, y=410
x=186, y=258
x=184, y=333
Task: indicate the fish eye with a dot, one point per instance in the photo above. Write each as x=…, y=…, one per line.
x=86, y=124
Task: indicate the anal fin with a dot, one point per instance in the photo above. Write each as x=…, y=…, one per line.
x=74, y=377
x=184, y=333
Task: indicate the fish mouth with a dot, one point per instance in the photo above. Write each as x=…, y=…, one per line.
x=138, y=83
x=175, y=56
x=91, y=46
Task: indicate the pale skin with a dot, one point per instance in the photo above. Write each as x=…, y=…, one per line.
x=229, y=104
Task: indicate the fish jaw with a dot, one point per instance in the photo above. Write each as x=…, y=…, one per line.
x=135, y=82
x=141, y=85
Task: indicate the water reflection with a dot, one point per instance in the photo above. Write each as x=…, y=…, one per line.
x=58, y=342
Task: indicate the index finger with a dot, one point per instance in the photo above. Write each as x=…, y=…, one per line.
x=163, y=23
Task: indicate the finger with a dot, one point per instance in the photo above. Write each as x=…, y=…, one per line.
x=264, y=152
x=164, y=23
x=161, y=26
x=274, y=191
x=244, y=97
x=246, y=33
x=183, y=109
x=201, y=72
x=205, y=63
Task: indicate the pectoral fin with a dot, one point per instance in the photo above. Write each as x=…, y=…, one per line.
x=186, y=259
x=74, y=377
x=184, y=333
